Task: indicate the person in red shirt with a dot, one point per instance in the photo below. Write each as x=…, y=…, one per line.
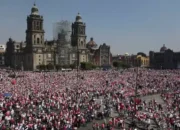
x=102, y=126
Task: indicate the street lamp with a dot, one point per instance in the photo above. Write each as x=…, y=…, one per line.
x=135, y=99
x=44, y=67
x=15, y=59
x=77, y=63
x=22, y=66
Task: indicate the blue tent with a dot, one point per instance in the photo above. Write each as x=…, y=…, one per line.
x=7, y=94
x=106, y=67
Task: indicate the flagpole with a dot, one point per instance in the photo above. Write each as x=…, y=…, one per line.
x=135, y=99
x=77, y=64
x=136, y=89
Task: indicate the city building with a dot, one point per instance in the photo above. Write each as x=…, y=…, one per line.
x=138, y=60
x=78, y=40
x=62, y=50
x=164, y=59
x=28, y=55
x=2, y=52
x=143, y=59
x=103, y=55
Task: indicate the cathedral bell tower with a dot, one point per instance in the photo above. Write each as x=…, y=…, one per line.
x=35, y=54
x=78, y=36
x=35, y=31
x=78, y=39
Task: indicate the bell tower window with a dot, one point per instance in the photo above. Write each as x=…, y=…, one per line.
x=81, y=43
x=37, y=26
x=38, y=40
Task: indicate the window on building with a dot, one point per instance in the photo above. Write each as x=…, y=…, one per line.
x=73, y=55
x=49, y=55
x=38, y=40
x=37, y=26
x=62, y=51
x=81, y=43
x=40, y=26
x=28, y=58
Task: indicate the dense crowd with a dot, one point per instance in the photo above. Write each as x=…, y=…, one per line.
x=70, y=100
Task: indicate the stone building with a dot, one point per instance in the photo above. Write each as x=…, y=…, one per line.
x=36, y=51
x=2, y=52
x=143, y=59
x=78, y=40
x=103, y=56
x=165, y=59
x=138, y=60
x=28, y=55
x=92, y=47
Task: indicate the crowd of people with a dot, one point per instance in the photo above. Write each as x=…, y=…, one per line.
x=71, y=100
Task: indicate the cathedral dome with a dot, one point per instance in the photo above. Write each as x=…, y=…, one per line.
x=34, y=10
x=91, y=44
x=78, y=18
x=163, y=49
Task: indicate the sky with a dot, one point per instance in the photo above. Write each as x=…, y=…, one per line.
x=128, y=26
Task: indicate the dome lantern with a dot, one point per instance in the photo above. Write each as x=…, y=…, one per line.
x=91, y=43
x=78, y=18
x=34, y=10
x=163, y=49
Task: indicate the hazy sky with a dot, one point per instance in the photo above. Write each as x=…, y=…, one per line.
x=126, y=25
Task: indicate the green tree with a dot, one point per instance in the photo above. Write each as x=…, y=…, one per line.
x=72, y=66
x=58, y=67
x=116, y=64
x=41, y=67
x=120, y=64
x=83, y=65
x=49, y=67
x=65, y=66
x=87, y=66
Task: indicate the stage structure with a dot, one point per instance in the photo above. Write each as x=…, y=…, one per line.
x=62, y=36
x=62, y=26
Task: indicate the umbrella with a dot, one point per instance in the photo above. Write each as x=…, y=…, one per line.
x=7, y=94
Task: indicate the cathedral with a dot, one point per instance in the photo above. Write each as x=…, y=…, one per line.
x=36, y=51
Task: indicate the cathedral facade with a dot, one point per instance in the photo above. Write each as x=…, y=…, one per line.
x=36, y=51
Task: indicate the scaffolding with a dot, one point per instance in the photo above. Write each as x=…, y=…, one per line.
x=63, y=26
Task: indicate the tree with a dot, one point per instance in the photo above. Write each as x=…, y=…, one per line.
x=50, y=67
x=120, y=64
x=72, y=66
x=58, y=67
x=41, y=67
x=116, y=64
x=87, y=66
x=65, y=66
x=83, y=65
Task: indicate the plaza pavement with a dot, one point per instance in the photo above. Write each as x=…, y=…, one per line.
x=128, y=119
